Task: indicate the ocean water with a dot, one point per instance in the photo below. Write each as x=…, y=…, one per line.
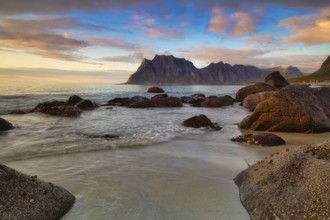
x=157, y=169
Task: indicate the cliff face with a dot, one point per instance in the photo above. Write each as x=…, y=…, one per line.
x=168, y=70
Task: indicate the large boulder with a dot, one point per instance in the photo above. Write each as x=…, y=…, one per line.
x=263, y=139
x=276, y=79
x=138, y=102
x=167, y=102
x=294, y=184
x=5, y=125
x=214, y=102
x=252, y=89
x=251, y=101
x=117, y=101
x=200, y=121
x=295, y=108
x=155, y=90
x=64, y=111
x=86, y=105
x=26, y=197
x=45, y=106
x=74, y=100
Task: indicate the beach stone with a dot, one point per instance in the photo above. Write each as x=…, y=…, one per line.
x=117, y=101
x=167, y=102
x=216, y=102
x=5, y=125
x=293, y=184
x=138, y=102
x=252, y=89
x=64, y=111
x=86, y=105
x=45, y=106
x=74, y=100
x=252, y=100
x=27, y=197
x=159, y=96
x=200, y=121
x=155, y=90
x=295, y=108
x=263, y=139
x=276, y=79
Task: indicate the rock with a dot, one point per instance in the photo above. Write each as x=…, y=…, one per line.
x=276, y=79
x=289, y=185
x=198, y=96
x=5, y=125
x=229, y=97
x=45, y=106
x=117, y=101
x=217, y=102
x=86, y=105
x=251, y=101
x=295, y=108
x=64, y=111
x=138, y=102
x=263, y=139
x=19, y=112
x=26, y=197
x=167, y=102
x=155, y=90
x=74, y=100
x=252, y=89
x=105, y=136
x=200, y=121
x=160, y=96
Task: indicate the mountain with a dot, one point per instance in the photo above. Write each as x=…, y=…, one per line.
x=287, y=72
x=169, y=70
x=321, y=75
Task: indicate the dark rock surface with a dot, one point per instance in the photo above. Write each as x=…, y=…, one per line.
x=251, y=101
x=252, y=89
x=5, y=125
x=295, y=108
x=263, y=139
x=155, y=90
x=74, y=100
x=167, y=102
x=159, y=96
x=138, y=102
x=26, y=197
x=214, y=102
x=117, y=101
x=105, y=136
x=86, y=105
x=276, y=80
x=45, y=106
x=294, y=184
x=201, y=121
x=64, y=111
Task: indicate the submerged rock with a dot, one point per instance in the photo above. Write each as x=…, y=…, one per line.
x=252, y=89
x=276, y=79
x=105, y=136
x=5, y=125
x=26, y=197
x=200, y=121
x=291, y=185
x=155, y=90
x=263, y=139
x=295, y=108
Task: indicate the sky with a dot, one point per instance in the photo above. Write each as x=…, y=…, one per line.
x=106, y=40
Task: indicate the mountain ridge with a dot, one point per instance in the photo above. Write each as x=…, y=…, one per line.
x=169, y=70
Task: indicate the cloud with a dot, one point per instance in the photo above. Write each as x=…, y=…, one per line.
x=46, y=7
x=239, y=23
x=131, y=58
x=309, y=29
x=265, y=40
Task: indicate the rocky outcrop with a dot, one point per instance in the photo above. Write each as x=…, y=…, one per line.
x=263, y=139
x=74, y=100
x=253, y=89
x=155, y=90
x=27, y=197
x=5, y=125
x=169, y=70
x=215, y=102
x=138, y=102
x=200, y=121
x=276, y=80
x=251, y=101
x=295, y=108
x=86, y=105
x=294, y=184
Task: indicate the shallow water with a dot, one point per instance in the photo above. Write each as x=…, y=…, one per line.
x=157, y=169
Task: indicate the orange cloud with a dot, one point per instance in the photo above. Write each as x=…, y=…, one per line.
x=244, y=23
x=310, y=29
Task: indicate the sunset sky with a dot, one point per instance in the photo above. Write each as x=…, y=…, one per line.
x=105, y=40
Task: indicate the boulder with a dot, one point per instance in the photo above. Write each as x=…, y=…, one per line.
x=252, y=89
x=167, y=102
x=216, y=102
x=45, y=106
x=263, y=139
x=5, y=125
x=27, y=197
x=64, y=111
x=200, y=121
x=116, y=101
x=155, y=90
x=138, y=102
x=294, y=184
x=74, y=100
x=86, y=105
x=159, y=96
x=295, y=108
x=276, y=79
x=251, y=101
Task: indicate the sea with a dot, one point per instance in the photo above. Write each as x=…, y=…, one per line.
x=156, y=169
